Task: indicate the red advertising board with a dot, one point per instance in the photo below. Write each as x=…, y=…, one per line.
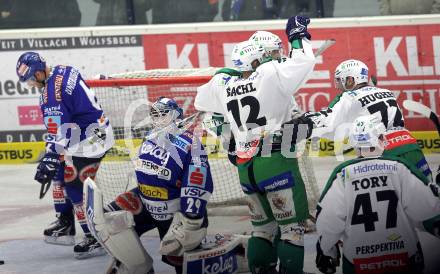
x=405, y=59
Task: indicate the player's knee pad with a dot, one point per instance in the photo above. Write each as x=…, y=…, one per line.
x=114, y=230
x=293, y=233
x=267, y=231
x=261, y=256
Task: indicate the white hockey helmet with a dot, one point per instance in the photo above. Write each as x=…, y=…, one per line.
x=244, y=53
x=269, y=41
x=367, y=136
x=351, y=68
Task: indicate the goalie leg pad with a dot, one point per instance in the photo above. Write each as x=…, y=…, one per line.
x=114, y=230
x=218, y=254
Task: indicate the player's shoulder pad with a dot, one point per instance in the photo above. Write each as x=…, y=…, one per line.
x=337, y=170
x=229, y=71
x=182, y=141
x=414, y=170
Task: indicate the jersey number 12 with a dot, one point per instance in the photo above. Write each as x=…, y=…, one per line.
x=253, y=120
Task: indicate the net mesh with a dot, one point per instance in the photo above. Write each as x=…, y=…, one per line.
x=125, y=103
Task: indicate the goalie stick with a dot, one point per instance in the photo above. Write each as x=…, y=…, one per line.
x=424, y=110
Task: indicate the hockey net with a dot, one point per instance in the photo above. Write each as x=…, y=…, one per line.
x=124, y=99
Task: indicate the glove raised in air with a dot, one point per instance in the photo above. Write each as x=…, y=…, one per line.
x=296, y=28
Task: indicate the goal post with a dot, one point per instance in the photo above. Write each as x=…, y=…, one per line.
x=124, y=99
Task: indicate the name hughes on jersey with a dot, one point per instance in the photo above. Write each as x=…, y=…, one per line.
x=367, y=99
x=241, y=89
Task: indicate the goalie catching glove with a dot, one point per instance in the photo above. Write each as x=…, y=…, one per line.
x=183, y=235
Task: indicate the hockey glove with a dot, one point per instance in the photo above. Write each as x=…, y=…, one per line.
x=327, y=264
x=299, y=128
x=183, y=235
x=296, y=28
x=46, y=171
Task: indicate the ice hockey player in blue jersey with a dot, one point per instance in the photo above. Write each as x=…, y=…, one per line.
x=174, y=186
x=78, y=136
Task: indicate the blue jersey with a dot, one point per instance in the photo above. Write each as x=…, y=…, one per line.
x=171, y=177
x=74, y=120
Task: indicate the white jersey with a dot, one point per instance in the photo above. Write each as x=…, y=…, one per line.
x=371, y=203
x=261, y=103
x=334, y=122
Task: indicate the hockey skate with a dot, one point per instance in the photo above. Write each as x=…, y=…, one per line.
x=62, y=231
x=89, y=247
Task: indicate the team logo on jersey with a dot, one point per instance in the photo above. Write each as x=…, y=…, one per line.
x=58, y=84
x=156, y=151
x=155, y=192
x=255, y=214
x=279, y=202
x=52, y=123
x=282, y=203
x=197, y=176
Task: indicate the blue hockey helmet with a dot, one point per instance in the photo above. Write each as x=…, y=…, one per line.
x=165, y=111
x=29, y=63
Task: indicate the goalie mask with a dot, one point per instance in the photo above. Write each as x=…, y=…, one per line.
x=350, y=68
x=271, y=43
x=244, y=54
x=367, y=136
x=164, y=112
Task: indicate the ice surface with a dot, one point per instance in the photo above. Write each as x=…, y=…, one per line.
x=23, y=218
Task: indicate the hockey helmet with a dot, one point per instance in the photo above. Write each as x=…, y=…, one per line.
x=351, y=68
x=29, y=63
x=269, y=41
x=367, y=135
x=244, y=53
x=164, y=112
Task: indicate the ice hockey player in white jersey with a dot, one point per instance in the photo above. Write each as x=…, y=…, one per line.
x=370, y=203
x=356, y=99
x=257, y=104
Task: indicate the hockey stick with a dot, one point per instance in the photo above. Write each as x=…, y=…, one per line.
x=44, y=188
x=327, y=43
x=424, y=110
